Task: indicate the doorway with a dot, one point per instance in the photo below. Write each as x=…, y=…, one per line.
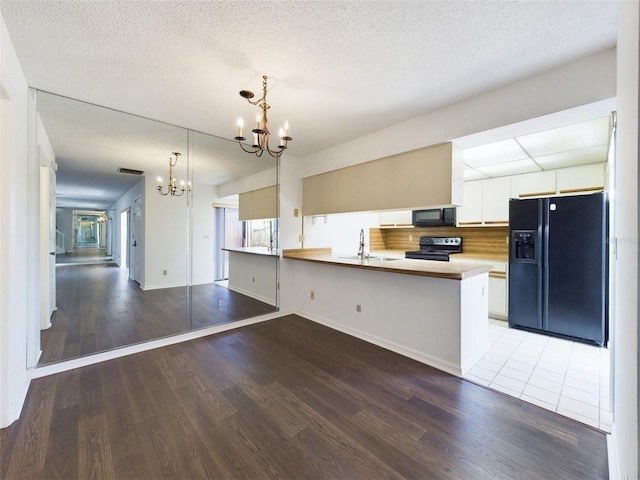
x=135, y=260
x=124, y=235
x=229, y=233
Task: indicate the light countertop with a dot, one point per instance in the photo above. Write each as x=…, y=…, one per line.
x=270, y=252
x=425, y=268
x=496, y=257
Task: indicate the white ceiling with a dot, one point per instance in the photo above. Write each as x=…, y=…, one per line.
x=338, y=69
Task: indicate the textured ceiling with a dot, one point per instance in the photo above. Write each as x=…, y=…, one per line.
x=338, y=69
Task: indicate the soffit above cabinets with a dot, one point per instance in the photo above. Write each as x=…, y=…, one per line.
x=571, y=145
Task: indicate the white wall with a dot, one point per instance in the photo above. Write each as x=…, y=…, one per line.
x=14, y=216
x=202, y=234
x=165, y=238
x=341, y=232
x=625, y=327
x=64, y=223
x=265, y=178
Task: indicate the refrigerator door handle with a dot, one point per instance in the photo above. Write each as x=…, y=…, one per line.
x=544, y=264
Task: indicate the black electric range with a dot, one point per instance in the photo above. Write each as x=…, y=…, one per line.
x=436, y=248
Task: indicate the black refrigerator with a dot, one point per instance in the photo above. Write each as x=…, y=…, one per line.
x=558, y=266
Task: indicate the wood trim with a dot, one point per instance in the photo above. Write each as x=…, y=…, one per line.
x=482, y=239
x=537, y=194
x=497, y=274
x=496, y=222
x=582, y=189
x=469, y=223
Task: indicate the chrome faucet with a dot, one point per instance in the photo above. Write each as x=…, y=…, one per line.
x=361, y=249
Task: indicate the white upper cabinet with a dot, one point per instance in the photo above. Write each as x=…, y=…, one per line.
x=495, y=200
x=471, y=211
x=535, y=184
x=583, y=178
x=486, y=202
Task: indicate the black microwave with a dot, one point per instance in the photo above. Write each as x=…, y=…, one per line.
x=434, y=217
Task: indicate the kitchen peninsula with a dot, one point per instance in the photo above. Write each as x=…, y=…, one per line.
x=252, y=272
x=433, y=312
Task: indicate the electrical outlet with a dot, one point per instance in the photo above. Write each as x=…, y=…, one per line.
x=507, y=239
x=358, y=308
x=301, y=238
x=164, y=272
x=295, y=212
x=411, y=238
x=312, y=295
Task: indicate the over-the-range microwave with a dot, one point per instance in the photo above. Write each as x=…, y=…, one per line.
x=434, y=217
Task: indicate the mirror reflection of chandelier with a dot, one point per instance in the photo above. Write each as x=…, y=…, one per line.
x=171, y=186
x=261, y=132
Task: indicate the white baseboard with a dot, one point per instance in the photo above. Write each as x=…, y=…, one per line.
x=248, y=293
x=612, y=454
x=164, y=285
x=17, y=403
x=421, y=357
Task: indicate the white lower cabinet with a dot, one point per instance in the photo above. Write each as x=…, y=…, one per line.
x=498, y=285
x=498, y=296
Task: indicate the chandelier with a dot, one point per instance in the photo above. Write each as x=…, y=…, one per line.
x=261, y=132
x=171, y=187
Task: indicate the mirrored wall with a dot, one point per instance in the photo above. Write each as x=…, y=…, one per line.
x=136, y=260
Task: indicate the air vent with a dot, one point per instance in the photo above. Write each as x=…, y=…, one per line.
x=130, y=171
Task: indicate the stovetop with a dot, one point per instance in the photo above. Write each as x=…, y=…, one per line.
x=436, y=248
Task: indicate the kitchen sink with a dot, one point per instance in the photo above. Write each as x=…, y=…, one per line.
x=377, y=259
x=385, y=259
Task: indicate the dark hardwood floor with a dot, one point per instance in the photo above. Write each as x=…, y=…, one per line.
x=287, y=399
x=100, y=308
x=84, y=254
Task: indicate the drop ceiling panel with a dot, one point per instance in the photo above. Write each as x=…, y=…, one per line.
x=567, y=146
x=492, y=153
x=566, y=139
x=473, y=174
x=572, y=158
x=509, y=168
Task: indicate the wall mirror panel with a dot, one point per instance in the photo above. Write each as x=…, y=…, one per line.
x=121, y=263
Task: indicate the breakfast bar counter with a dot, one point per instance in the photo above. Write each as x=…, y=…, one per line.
x=389, y=262
x=432, y=311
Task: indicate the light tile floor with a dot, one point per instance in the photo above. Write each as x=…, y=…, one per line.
x=566, y=377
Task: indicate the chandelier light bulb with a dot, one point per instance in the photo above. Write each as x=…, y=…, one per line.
x=286, y=128
x=240, y=125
